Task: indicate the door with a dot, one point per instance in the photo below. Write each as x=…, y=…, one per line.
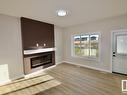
x=119, y=52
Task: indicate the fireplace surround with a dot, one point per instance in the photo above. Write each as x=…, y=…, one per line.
x=39, y=61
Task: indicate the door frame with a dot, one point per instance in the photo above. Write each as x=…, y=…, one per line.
x=121, y=31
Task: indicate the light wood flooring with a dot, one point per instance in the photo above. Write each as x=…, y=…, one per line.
x=67, y=79
x=29, y=86
x=83, y=81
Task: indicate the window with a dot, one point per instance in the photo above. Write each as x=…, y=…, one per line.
x=86, y=45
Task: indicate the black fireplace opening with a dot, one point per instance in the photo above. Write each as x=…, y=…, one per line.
x=41, y=60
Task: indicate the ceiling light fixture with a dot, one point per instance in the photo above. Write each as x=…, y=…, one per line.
x=61, y=13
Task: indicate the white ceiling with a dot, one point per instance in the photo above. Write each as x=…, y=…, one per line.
x=80, y=11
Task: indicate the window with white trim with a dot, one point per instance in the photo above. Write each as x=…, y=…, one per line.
x=86, y=45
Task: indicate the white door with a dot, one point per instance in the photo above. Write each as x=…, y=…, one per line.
x=119, y=52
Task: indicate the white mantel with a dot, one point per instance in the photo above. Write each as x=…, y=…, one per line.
x=28, y=52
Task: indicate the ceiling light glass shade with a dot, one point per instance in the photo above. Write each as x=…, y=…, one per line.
x=61, y=13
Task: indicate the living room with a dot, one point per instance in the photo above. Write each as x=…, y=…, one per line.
x=63, y=47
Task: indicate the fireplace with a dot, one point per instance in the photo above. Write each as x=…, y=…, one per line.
x=39, y=61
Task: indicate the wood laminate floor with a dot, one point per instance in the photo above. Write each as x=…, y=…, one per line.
x=83, y=81
x=29, y=86
x=67, y=79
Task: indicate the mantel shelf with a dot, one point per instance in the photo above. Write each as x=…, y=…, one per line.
x=29, y=52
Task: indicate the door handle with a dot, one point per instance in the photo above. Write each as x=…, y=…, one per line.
x=114, y=54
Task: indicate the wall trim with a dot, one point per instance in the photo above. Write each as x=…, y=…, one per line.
x=5, y=82
x=21, y=76
x=94, y=68
x=17, y=77
x=10, y=80
x=53, y=66
x=59, y=63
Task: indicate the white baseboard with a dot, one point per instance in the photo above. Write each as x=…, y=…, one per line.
x=59, y=62
x=5, y=82
x=21, y=76
x=10, y=80
x=17, y=77
x=99, y=69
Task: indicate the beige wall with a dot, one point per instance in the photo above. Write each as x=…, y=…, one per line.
x=11, y=66
x=59, y=44
x=105, y=27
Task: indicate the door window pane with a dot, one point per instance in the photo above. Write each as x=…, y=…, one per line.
x=94, y=41
x=122, y=44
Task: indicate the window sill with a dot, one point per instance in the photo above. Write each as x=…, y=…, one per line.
x=87, y=58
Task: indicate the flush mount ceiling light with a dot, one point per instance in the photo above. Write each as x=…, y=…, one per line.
x=61, y=13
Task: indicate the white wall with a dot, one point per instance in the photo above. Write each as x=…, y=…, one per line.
x=59, y=44
x=104, y=26
x=11, y=63
x=11, y=66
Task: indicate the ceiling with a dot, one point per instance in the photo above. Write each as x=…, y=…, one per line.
x=80, y=11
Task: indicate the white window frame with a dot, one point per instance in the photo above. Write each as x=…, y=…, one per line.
x=85, y=57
